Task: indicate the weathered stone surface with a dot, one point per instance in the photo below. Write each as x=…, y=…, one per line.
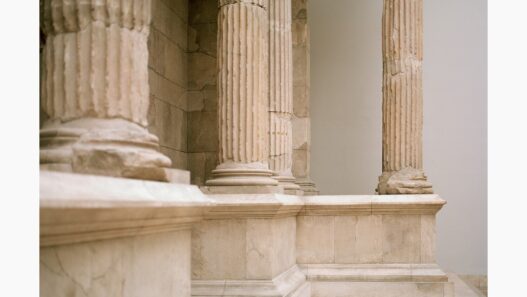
x=405, y=181
x=358, y=239
x=243, y=94
x=301, y=133
x=402, y=99
x=201, y=166
x=95, y=69
x=281, y=93
x=172, y=23
x=203, y=126
x=203, y=11
x=203, y=71
x=301, y=84
x=401, y=238
x=300, y=163
x=137, y=266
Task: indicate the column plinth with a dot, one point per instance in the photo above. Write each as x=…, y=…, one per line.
x=242, y=98
x=281, y=95
x=95, y=91
x=402, y=105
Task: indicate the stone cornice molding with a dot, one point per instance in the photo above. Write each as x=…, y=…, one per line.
x=78, y=208
x=237, y=206
x=371, y=204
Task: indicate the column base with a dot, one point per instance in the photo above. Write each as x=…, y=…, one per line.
x=405, y=181
x=56, y=141
x=289, y=185
x=110, y=147
x=238, y=178
x=307, y=186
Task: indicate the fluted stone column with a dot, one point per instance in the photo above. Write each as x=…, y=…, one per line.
x=243, y=97
x=281, y=94
x=94, y=89
x=402, y=105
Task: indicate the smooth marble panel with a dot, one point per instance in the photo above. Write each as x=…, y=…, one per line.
x=401, y=238
x=428, y=238
x=284, y=231
x=260, y=248
x=219, y=249
x=315, y=240
x=358, y=239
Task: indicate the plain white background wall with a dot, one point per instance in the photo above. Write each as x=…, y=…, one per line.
x=346, y=77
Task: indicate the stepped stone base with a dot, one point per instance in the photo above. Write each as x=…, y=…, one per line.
x=386, y=280
x=101, y=235
x=291, y=283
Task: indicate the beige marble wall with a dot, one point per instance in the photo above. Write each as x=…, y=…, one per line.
x=151, y=265
x=243, y=249
x=202, y=95
x=364, y=239
x=168, y=78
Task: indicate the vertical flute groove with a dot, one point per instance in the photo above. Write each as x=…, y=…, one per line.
x=95, y=59
x=242, y=80
x=280, y=85
x=402, y=84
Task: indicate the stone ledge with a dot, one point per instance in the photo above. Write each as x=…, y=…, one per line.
x=374, y=272
x=286, y=284
x=371, y=204
x=78, y=208
x=238, y=206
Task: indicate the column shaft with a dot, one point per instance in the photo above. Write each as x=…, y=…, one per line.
x=281, y=93
x=402, y=99
x=242, y=94
x=95, y=91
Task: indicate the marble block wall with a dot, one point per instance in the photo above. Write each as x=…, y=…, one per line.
x=202, y=95
x=150, y=265
x=167, y=74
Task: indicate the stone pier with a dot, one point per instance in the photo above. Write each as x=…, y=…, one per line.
x=402, y=103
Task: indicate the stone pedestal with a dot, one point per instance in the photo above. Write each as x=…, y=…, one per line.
x=402, y=103
x=242, y=96
x=281, y=95
x=103, y=236
x=95, y=90
x=245, y=246
x=370, y=246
